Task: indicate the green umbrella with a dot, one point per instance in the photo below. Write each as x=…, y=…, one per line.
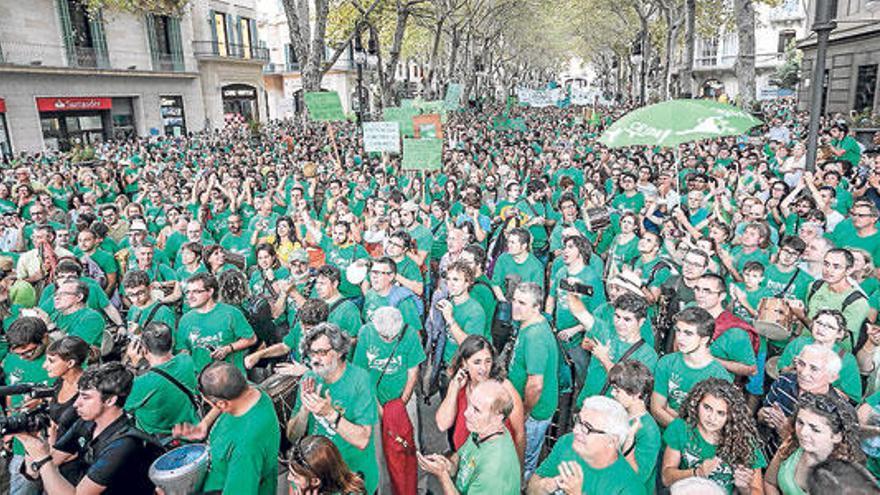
x=673, y=122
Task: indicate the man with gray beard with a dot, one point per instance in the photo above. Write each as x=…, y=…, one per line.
x=336, y=400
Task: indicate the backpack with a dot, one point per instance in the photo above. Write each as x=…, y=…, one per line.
x=399, y=294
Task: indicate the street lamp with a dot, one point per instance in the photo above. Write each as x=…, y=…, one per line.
x=823, y=24
x=360, y=57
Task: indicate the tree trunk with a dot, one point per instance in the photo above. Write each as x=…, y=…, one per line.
x=394, y=53
x=686, y=80
x=745, y=60
x=673, y=23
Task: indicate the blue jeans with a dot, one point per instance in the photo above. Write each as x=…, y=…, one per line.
x=18, y=484
x=755, y=385
x=536, y=431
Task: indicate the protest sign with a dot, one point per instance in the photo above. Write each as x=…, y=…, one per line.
x=453, y=96
x=422, y=154
x=430, y=122
x=403, y=116
x=324, y=106
x=381, y=136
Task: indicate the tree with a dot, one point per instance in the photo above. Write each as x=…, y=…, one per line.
x=788, y=75
x=745, y=60
x=137, y=6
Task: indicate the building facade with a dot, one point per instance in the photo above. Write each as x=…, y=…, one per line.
x=851, y=66
x=68, y=76
x=715, y=57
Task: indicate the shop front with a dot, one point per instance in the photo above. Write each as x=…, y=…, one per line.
x=67, y=121
x=5, y=144
x=240, y=100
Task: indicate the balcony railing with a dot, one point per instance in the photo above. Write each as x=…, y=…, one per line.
x=89, y=57
x=229, y=50
x=715, y=62
x=165, y=62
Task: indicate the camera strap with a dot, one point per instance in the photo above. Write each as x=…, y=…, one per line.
x=391, y=356
x=152, y=314
x=174, y=381
x=626, y=355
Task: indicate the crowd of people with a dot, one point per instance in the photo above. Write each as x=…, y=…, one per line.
x=565, y=317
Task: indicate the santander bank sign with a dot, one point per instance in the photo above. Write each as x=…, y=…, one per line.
x=73, y=104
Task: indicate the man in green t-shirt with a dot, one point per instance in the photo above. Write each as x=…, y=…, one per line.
x=165, y=395
x=245, y=438
x=533, y=369
x=462, y=314
x=860, y=231
x=73, y=317
x=518, y=264
x=588, y=460
x=692, y=362
x=845, y=147
x=732, y=342
x=96, y=260
x=337, y=400
x=487, y=463
x=211, y=330
x=144, y=308
x=236, y=240
x=481, y=290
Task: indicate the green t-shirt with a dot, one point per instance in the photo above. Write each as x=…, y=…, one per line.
x=163, y=314
x=647, y=449
x=346, y=315
x=407, y=306
x=845, y=235
x=673, y=378
x=158, y=404
x=85, y=323
x=776, y=281
x=472, y=319
x=19, y=370
x=199, y=333
x=374, y=354
x=244, y=451
x=341, y=257
x=240, y=245
x=481, y=292
x=353, y=397
x=633, y=203
x=695, y=449
x=539, y=232
x=102, y=258
x=596, y=373
x=536, y=353
x=97, y=299
x=734, y=345
x=855, y=312
x=529, y=270
x=616, y=479
x=563, y=317
x=491, y=468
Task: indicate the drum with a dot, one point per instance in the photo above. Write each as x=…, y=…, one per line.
x=597, y=218
x=870, y=433
x=282, y=390
x=774, y=319
x=310, y=170
x=771, y=368
x=356, y=273
x=181, y=471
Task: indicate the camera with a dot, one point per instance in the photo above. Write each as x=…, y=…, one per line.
x=576, y=287
x=32, y=420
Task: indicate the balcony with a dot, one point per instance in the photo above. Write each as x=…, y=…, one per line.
x=273, y=68
x=51, y=57
x=165, y=62
x=208, y=49
x=714, y=62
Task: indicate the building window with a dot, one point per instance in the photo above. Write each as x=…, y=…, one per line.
x=785, y=38
x=866, y=88
x=221, y=44
x=247, y=38
x=83, y=35
x=163, y=36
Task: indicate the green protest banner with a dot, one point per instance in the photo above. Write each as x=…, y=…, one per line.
x=453, y=95
x=324, y=106
x=422, y=154
x=403, y=116
x=407, y=102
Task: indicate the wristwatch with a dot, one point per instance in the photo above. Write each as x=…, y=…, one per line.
x=37, y=465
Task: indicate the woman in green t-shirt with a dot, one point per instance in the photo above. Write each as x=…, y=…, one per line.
x=714, y=437
x=314, y=465
x=824, y=427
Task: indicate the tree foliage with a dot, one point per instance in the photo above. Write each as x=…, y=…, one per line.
x=138, y=6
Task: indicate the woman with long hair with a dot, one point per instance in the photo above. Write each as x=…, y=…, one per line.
x=822, y=428
x=473, y=363
x=64, y=363
x=285, y=240
x=714, y=437
x=315, y=467
x=214, y=257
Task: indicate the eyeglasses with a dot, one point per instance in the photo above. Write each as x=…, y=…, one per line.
x=578, y=422
x=861, y=215
x=64, y=293
x=196, y=291
x=705, y=290
x=320, y=352
x=137, y=293
x=380, y=272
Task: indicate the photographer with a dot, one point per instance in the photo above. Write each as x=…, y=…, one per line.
x=27, y=338
x=164, y=395
x=116, y=456
x=64, y=363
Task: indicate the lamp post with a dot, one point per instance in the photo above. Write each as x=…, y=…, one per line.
x=823, y=24
x=360, y=57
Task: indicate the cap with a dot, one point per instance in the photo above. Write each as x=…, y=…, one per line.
x=627, y=280
x=137, y=225
x=299, y=255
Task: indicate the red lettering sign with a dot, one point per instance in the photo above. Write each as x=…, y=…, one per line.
x=2, y=105
x=73, y=104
